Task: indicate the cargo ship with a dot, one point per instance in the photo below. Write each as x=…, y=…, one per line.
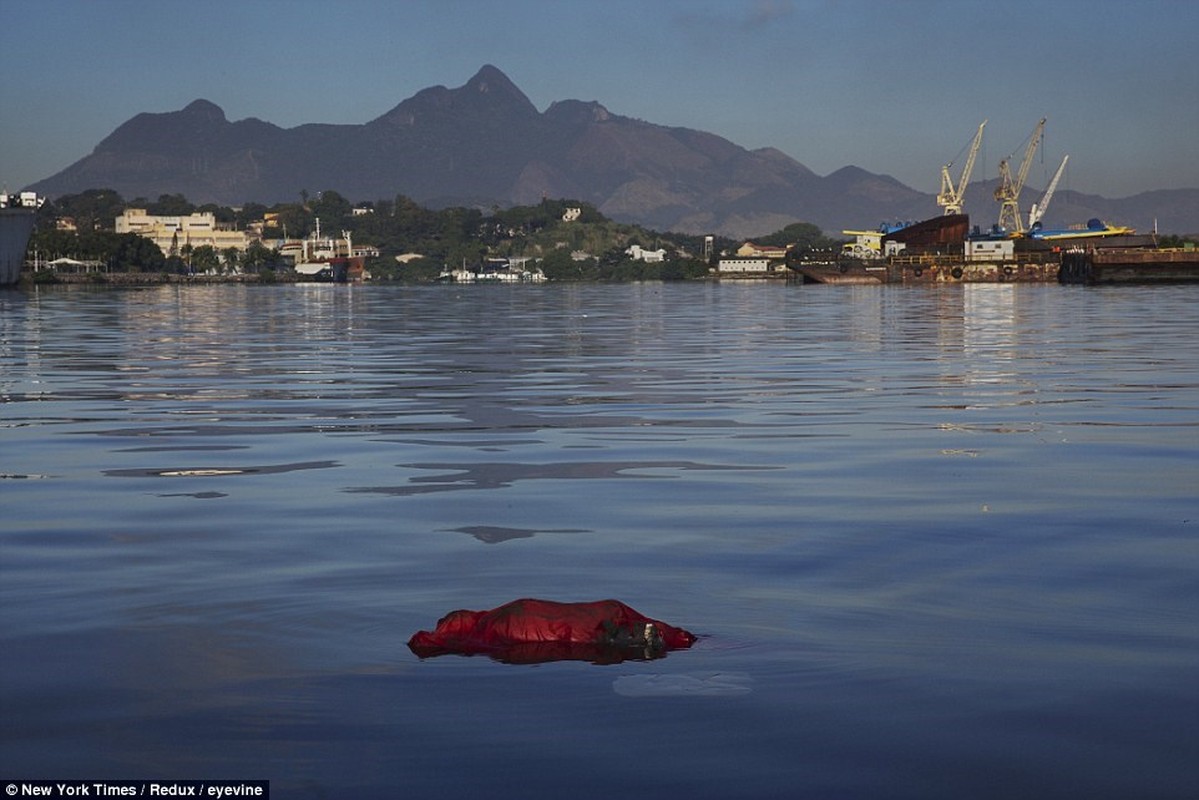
x=17, y=215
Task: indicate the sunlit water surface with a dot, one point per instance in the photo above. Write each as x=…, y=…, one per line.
x=938, y=544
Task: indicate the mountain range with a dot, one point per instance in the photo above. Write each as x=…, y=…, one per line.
x=485, y=144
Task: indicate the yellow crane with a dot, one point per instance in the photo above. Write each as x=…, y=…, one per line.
x=1008, y=192
x=950, y=197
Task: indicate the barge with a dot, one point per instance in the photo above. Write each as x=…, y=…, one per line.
x=1130, y=265
x=938, y=251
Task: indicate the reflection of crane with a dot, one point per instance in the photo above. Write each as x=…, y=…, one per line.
x=1038, y=209
x=1008, y=193
x=950, y=196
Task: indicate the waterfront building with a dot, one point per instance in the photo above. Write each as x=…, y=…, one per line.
x=173, y=232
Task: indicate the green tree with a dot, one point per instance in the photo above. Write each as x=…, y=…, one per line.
x=682, y=269
x=332, y=209
x=92, y=210
x=231, y=257
x=222, y=214
x=420, y=270
x=171, y=205
x=294, y=220
x=205, y=259
x=136, y=253
x=559, y=266
x=257, y=258
x=249, y=212
x=804, y=235
x=120, y=251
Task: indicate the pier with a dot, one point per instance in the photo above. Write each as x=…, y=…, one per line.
x=1130, y=266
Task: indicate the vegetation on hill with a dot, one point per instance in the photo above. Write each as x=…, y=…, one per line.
x=566, y=246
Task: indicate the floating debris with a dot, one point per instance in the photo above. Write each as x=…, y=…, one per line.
x=532, y=631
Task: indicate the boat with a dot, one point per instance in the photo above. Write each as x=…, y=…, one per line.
x=880, y=256
x=494, y=270
x=839, y=268
x=325, y=259
x=18, y=212
x=1094, y=229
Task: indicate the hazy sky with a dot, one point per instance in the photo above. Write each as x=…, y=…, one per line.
x=896, y=88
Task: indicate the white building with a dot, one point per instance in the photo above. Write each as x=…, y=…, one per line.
x=196, y=230
x=744, y=265
x=636, y=253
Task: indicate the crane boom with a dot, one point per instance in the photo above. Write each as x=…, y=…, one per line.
x=950, y=197
x=1038, y=209
x=1008, y=193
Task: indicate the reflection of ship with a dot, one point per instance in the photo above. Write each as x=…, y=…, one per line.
x=17, y=215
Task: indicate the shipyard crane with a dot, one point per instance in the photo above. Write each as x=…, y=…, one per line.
x=1008, y=192
x=950, y=197
x=1038, y=209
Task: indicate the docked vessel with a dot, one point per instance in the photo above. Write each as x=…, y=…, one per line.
x=1130, y=265
x=945, y=250
x=17, y=215
x=1094, y=229
x=326, y=259
x=894, y=254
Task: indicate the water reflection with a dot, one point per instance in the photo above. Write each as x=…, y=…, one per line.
x=494, y=534
x=227, y=506
x=212, y=472
x=500, y=475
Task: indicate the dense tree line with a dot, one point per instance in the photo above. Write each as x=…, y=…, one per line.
x=588, y=248
x=124, y=251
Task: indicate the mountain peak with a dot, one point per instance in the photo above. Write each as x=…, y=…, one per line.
x=577, y=111
x=494, y=87
x=490, y=78
x=488, y=93
x=206, y=110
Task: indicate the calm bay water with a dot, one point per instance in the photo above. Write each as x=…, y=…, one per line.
x=938, y=543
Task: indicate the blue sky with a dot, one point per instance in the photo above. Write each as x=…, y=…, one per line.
x=896, y=88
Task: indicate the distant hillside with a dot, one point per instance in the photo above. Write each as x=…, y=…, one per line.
x=485, y=144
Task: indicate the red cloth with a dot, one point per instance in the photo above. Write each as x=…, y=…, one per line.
x=531, y=630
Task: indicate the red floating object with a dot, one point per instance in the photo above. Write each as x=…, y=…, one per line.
x=532, y=631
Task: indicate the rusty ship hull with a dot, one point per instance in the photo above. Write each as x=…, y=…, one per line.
x=1130, y=265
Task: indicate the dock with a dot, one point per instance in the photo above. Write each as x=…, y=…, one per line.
x=1088, y=267
x=1110, y=266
